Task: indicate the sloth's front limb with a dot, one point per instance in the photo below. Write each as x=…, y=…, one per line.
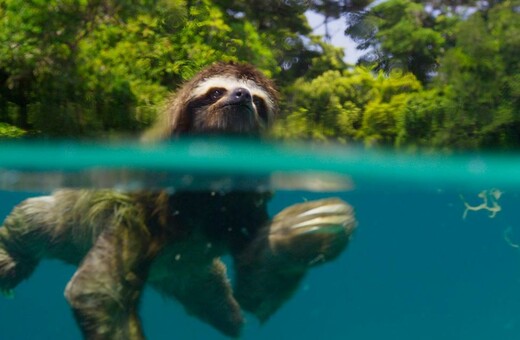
x=15, y=266
x=298, y=238
x=105, y=290
x=15, y=263
x=204, y=291
x=24, y=237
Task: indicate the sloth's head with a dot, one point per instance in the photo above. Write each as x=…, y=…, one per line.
x=225, y=98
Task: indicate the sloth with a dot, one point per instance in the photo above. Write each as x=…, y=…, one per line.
x=122, y=241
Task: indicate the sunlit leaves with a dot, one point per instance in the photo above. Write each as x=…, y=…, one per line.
x=353, y=105
x=10, y=131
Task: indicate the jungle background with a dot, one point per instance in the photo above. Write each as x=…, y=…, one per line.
x=433, y=74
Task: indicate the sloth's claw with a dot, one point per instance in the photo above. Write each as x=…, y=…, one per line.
x=312, y=232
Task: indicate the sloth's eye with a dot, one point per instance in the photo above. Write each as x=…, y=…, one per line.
x=261, y=108
x=257, y=101
x=215, y=94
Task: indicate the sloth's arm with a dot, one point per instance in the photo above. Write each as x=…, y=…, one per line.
x=25, y=236
x=298, y=238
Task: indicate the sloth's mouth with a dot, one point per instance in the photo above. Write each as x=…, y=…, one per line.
x=229, y=118
x=239, y=113
x=240, y=106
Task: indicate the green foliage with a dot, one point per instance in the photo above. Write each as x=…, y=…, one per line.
x=480, y=75
x=283, y=29
x=353, y=105
x=78, y=68
x=9, y=131
x=422, y=119
x=471, y=101
x=401, y=34
x=435, y=74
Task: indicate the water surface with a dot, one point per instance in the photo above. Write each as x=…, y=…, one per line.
x=435, y=256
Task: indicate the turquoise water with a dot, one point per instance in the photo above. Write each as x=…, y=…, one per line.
x=420, y=266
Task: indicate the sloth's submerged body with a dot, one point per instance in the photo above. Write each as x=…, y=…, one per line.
x=173, y=242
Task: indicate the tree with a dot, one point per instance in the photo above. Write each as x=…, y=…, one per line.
x=399, y=34
x=282, y=25
x=480, y=76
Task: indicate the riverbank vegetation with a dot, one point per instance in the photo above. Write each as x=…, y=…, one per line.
x=443, y=74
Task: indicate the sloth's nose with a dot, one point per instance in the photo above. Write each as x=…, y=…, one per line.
x=241, y=94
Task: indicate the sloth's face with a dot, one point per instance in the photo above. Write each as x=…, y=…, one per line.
x=230, y=105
